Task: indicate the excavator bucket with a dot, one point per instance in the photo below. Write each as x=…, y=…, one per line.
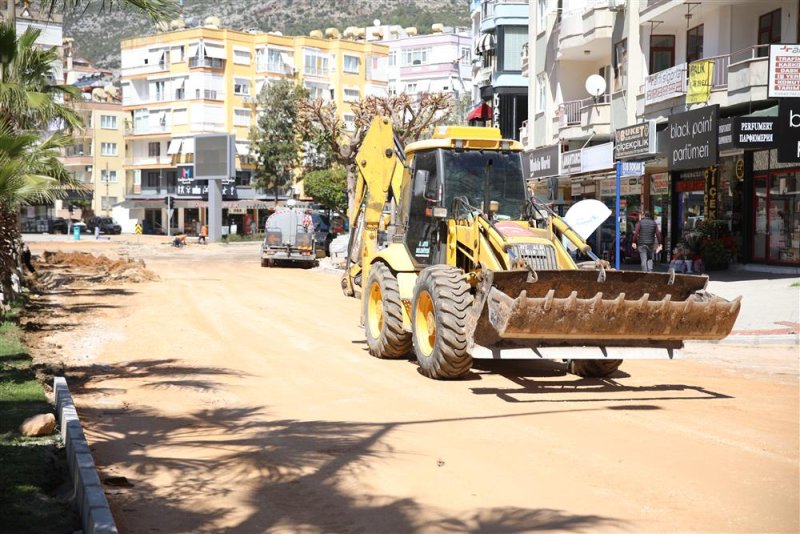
x=600, y=307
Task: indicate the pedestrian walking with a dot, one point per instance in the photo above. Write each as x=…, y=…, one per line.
x=647, y=240
x=203, y=234
x=26, y=258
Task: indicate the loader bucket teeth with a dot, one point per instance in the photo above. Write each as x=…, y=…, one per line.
x=625, y=308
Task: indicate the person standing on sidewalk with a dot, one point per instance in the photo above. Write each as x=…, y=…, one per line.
x=647, y=240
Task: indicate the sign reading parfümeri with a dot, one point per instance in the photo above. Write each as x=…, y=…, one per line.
x=691, y=140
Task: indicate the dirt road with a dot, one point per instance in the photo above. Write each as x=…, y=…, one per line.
x=237, y=398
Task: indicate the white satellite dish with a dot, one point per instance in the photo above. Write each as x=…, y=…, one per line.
x=595, y=85
x=376, y=22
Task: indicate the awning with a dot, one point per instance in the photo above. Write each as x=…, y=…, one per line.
x=174, y=147
x=193, y=50
x=215, y=52
x=481, y=112
x=242, y=149
x=287, y=60
x=768, y=112
x=188, y=146
x=485, y=43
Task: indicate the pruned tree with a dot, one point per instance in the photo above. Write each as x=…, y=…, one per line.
x=412, y=119
x=275, y=140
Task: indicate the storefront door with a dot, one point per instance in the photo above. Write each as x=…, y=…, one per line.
x=760, y=233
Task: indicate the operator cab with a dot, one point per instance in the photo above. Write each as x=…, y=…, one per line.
x=456, y=182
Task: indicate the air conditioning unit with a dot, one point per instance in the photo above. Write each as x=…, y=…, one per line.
x=616, y=5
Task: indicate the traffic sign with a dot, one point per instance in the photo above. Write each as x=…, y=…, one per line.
x=137, y=229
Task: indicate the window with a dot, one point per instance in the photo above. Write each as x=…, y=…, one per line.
x=153, y=179
x=270, y=59
x=694, y=44
x=106, y=203
x=416, y=56
x=315, y=63
x=411, y=88
x=108, y=149
x=541, y=14
x=154, y=149
x=352, y=64
x=349, y=121
x=178, y=54
x=662, y=52
x=620, y=63
x=512, y=40
x=180, y=89
x=141, y=119
x=241, y=86
x=241, y=117
x=392, y=58
x=541, y=93
x=108, y=122
x=241, y=57
x=466, y=55
x=351, y=94
x=159, y=89
x=769, y=31
x=107, y=176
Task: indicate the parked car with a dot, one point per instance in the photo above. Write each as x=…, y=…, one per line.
x=107, y=225
x=59, y=225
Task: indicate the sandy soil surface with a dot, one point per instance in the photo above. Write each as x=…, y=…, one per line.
x=237, y=398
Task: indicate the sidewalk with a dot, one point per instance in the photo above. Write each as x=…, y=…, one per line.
x=770, y=312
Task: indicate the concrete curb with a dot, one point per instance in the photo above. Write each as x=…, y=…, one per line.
x=89, y=495
x=754, y=340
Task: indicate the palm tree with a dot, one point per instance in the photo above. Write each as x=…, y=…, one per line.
x=30, y=171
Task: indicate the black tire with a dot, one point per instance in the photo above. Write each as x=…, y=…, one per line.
x=447, y=356
x=385, y=335
x=264, y=262
x=593, y=368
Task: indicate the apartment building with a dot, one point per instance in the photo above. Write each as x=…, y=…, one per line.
x=439, y=62
x=665, y=66
x=500, y=31
x=191, y=81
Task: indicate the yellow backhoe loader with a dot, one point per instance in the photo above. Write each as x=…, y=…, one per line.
x=454, y=259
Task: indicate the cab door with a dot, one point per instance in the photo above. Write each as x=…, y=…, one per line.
x=422, y=232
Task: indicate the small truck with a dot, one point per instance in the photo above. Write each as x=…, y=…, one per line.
x=289, y=237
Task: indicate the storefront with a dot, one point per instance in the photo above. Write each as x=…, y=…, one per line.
x=776, y=210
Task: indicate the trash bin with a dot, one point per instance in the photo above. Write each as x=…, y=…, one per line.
x=76, y=232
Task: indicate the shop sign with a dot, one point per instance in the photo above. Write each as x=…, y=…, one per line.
x=683, y=186
x=659, y=183
x=588, y=188
x=784, y=71
x=711, y=193
x=630, y=186
x=571, y=162
x=691, y=140
x=545, y=162
x=577, y=190
x=638, y=140
x=725, y=135
x=608, y=187
x=597, y=158
x=632, y=168
x=788, y=130
x=665, y=84
x=698, y=88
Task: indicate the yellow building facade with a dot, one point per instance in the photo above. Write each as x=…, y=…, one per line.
x=97, y=159
x=179, y=84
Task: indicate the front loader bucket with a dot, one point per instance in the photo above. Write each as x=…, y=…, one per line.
x=600, y=307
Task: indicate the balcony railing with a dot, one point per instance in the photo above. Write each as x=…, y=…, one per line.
x=206, y=62
x=313, y=71
x=569, y=113
x=147, y=129
x=750, y=53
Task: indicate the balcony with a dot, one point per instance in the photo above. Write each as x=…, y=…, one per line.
x=209, y=94
x=747, y=74
x=147, y=129
x=206, y=63
x=141, y=161
x=580, y=118
x=77, y=160
x=585, y=29
x=667, y=88
x=314, y=71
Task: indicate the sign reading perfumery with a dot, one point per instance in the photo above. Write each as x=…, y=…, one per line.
x=545, y=162
x=691, y=140
x=746, y=133
x=784, y=71
x=665, y=84
x=638, y=140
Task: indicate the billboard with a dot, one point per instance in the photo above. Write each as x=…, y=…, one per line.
x=213, y=156
x=784, y=71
